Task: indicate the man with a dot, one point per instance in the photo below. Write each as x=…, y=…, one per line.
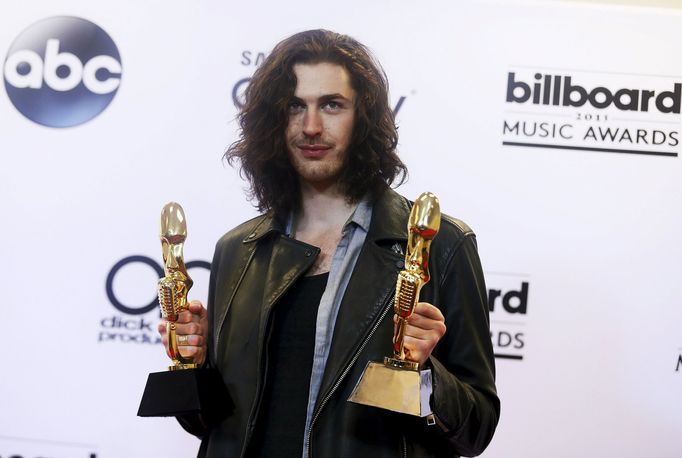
x=301, y=297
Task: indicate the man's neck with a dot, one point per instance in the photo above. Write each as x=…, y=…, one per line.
x=322, y=210
x=319, y=222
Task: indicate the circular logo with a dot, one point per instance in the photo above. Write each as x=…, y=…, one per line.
x=148, y=307
x=62, y=71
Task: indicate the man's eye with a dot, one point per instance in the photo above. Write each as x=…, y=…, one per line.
x=295, y=107
x=332, y=106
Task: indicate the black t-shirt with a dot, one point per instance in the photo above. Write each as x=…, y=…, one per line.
x=282, y=414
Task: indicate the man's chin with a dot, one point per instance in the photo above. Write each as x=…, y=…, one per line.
x=319, y=182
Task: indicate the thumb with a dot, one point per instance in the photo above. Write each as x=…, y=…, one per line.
x=197, y=308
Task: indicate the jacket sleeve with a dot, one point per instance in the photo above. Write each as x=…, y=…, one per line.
x=195, y=423
x=464, y=399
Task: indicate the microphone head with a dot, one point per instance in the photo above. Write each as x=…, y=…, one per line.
x=168, y=299
x=406, y=293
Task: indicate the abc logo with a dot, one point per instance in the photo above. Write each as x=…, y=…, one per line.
x=62, y=71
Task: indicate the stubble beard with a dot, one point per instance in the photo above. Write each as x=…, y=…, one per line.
x=323, y=172
x=317, y=173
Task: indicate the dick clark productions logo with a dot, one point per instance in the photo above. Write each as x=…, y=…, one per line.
x=62, y=71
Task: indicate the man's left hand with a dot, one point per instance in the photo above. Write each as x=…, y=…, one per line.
x=425, y=327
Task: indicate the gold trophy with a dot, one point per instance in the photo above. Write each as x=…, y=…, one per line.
x=398, y=384
x=184, y=389
x=173, y=288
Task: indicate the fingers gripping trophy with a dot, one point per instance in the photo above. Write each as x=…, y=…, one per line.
x=399, y=384
x=184, y=389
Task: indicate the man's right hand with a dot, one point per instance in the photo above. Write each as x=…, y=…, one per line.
x=191, y=332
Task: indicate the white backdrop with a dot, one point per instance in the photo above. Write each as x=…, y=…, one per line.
x=584, y=244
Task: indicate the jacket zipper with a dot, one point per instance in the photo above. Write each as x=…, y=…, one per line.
x=345, y=371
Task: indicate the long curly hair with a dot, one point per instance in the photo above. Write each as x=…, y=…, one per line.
x=371, y=163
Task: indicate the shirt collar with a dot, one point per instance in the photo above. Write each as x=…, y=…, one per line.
x=362, y=215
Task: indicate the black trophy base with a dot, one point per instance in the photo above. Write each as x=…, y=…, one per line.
x=185, y=392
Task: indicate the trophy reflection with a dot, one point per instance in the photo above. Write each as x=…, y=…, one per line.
x=398, y=384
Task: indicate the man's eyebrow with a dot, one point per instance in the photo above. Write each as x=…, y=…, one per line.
x=334, y=96
x=323, y=98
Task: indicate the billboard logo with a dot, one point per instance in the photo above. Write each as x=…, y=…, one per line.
x=575, y=95
x=592, y=111
x=508, y=307
x=512, y=301
x=62, y=71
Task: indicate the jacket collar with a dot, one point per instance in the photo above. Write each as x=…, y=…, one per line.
x=389, y=217
x=268, y=223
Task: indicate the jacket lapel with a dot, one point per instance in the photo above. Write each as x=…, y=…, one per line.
x=281, y=258
x=288, y=261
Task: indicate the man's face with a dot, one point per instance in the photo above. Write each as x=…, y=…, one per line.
x=321, y=116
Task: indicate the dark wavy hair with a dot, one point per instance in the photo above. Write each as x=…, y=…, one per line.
x=371, y=162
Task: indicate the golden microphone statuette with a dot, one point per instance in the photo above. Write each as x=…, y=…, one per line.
x=399, y=384
x=173, y=288
x=184, y=389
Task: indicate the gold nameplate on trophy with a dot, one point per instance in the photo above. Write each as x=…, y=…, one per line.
x=173, y=288
x=398, y=384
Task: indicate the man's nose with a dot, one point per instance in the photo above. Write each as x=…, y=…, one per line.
x=312, y=123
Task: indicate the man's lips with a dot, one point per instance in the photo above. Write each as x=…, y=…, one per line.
x=313, y=151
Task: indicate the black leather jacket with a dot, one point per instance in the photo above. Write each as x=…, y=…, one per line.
x=253, y=266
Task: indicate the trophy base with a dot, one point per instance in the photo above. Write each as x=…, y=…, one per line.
x=392, y=387
x=183, y=392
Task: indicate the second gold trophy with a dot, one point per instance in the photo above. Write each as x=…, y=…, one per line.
x=399, y=384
